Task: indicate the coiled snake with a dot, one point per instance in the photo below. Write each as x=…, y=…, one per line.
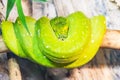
x=60, y=42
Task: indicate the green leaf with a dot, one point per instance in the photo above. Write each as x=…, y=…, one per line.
x=21, y=14
x=10, y=5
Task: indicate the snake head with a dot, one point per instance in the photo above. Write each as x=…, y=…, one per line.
x=60, y=27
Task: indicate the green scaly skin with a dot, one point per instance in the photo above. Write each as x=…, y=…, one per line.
x=66, y=42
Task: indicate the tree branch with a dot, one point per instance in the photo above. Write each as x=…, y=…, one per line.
x=111, y=39
x=14, y=69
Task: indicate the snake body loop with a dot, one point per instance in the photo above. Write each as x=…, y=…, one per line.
x=60, y=42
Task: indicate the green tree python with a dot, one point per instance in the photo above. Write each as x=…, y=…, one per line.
x=65, y=42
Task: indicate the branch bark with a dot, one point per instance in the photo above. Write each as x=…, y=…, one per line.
x=14, y=69
x=111, y=40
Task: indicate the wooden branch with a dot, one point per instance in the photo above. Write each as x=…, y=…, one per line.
x=14, y=69
x=111, y=40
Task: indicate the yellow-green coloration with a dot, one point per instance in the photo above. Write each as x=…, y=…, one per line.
x=60, y=42
x=60, y=27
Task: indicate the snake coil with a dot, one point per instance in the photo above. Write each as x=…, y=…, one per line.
x=60, y=42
